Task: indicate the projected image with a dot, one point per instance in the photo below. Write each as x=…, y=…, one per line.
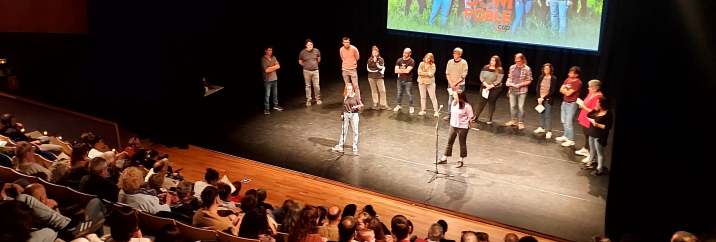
x=569, y=24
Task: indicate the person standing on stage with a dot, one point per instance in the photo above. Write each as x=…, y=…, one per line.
x=600, y=122
x=570, y=88
x=426, y=82
x=404, y=67
x=351, y=106
x=589, y=103
x=269, y=64
x=376, y=69
x=460, y=118
x=491, y=78
x=547, y=89
x=518, y=80
x=309, y=59
x=350, y=56
x=455, y=71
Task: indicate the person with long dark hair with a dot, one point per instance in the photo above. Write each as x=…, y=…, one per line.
x=519, y=78
x=306, y=230
x=601, y=120
x=491, y=78
x=351, y=106
x=547, y=87
x=460, y=117
x=376, y=69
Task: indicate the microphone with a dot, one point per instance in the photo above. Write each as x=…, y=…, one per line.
x=441, y=108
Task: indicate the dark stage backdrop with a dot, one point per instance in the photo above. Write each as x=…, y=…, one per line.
x=141, y=65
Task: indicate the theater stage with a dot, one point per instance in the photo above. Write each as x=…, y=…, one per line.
x=510, y=176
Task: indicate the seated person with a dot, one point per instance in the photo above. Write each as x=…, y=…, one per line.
x=125, y=227
x=208, y=215
x=365, y=235
x=187, y=203
x=12, y=129
x=255, y=221
x=25, y=160
x=99, y=147
x=96, y=183
x=134, y=145
x=142, y=199
x=226, y=204
x=8, y=191
x=235, y=196
x=261, y=197
x=61, y=226
x=78, y=166
x=161, y=168
x=60, y=172
x=212, y=179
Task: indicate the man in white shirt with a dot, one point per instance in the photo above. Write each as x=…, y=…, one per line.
x=212, y=178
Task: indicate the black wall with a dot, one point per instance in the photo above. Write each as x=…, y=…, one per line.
x=142, y=62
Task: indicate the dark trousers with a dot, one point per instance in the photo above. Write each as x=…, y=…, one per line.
x=421, y=6
x=462, y=134
x=491, y=100
x=586, y=136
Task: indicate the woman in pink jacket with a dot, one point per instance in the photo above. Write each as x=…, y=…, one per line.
x=589, y=102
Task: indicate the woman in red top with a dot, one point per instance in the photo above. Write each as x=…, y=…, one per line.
x=306, y=228
x=589, y=103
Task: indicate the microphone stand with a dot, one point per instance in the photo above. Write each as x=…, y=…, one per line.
x=436, y=172
x=344, y=133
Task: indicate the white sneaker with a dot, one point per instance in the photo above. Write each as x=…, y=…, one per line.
x=568, y=143
x=397, y=108
x=582, y=152
x=412, y=109
x=338, y=148
x=588, y=159
x=355, y=148
x=548, y=135
x=561, y=139
x=539, y=130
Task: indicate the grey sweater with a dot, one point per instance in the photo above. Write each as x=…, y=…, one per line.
x=457, y=70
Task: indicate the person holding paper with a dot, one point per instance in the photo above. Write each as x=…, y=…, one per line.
x=587, y=106
x=460, y=119
x=570, y=89
x=426, y=82
x=491, y=77
x=547, y=88
x=600, y=122
x=456, y=72
x=518, y=80
x=376, y=68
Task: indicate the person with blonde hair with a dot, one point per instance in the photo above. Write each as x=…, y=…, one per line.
x=146, y=200
x=426, y=82
x=24, y=159
x=376, y=69
x=351, y=106
x=587, y=106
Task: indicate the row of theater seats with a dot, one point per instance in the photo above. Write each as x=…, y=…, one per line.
x=148, y=224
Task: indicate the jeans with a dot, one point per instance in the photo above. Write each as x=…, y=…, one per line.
x=377, y=87
x=491, y=100
x=349, y=119
x=351, y=76
x=408, y=86
x=430, y=89
x=438, y=5
x=462, y=134
x=596, y=149
x=568, y=111
x=517, y=106
x=558, y=11
x=312, y=77
x=46, y=146
x=271, y=89
x=450, y=99
x=43, y=214
x=545, y=119
x=522, y=7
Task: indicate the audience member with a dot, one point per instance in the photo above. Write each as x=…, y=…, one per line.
x=347, y=229
x=60, y=172
x=600, y=238
x=25, y=160
x=125, y=226
x=400, y=228
x=99, y=147
x=349, y=210
x=155, y=182
x=369, y=209
x=142, y=199
x=444, y=225
x=413, y=238
x=435, y=233
x=38, y=191
x=134, y=145
x=362, y=220
x=330, y=230
x=187, y=204
x=255, y=221
x=96, y=182
x=62, y=226
x=16, y=224
x=236, y=196
x=291, y=218
x=468, y=236
x=78, y=163
x=208, y=215
x=13, y=130
x=379, y=229
x=169, y=233
x=683, y=236
x=482, y=237
x=224, y=191
x=280, y=213
x=511, y=238
x=162, y=169
x=365, y=235
x=528, y=239
x=322, y=211
x=8, y=191
x=211, y=177
x=306, y=229
x=261, y=196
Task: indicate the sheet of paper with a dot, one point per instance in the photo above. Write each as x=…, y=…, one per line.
x=226, y=180
x=450, y=91
x=539, y=108
x=580, y=101
x=485, y=93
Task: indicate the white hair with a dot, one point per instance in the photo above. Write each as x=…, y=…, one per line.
x=458, y=50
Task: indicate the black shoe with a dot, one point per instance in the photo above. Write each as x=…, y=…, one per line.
x=82, y=229
x=459, y=164
x=598, y=172
x=266, y=111
x=279, y=108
